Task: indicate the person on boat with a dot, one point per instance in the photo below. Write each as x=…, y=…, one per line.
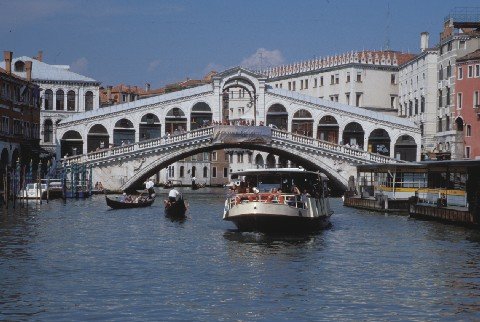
x=173, y=195
x=193, y=181
x=122, y=197
x=295, y=190
x=128, y=199
x=149, y=186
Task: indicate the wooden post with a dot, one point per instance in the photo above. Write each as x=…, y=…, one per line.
x=48, y=189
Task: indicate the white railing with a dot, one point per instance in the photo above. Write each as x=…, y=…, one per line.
x=357, y=153
x=165, y=141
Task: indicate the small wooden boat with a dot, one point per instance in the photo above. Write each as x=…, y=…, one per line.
x=176, y=209
x=115, y=204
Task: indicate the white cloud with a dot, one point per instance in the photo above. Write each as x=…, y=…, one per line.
x=263, y=58
x=153, y=65
x=80, y=65
x=213, y=66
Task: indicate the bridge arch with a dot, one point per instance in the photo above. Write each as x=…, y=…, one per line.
x=353, y=135
x=149, y=127
x=302, y=123
x=379, y=142
x=259, y=162
x=277, y=116
x=328, y=129
x=97, y=138
x=175, y=121
x=405, y=148
x=200, y=115
x=271, y=162
x=301, y=158
x=123, y=132
x=71, y=143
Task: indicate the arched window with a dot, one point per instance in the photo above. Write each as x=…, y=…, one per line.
x=19, y=66
x=71, y=101
x=59, y=99
x=88, y=101
x=205, y=172
x=48, y=131
x=48, y=100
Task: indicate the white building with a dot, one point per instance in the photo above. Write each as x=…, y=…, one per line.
x=62, y=92
x=418, y=92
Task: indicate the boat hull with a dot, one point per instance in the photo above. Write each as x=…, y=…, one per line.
x=114, y=204
x=176, y=210
x=270, y=218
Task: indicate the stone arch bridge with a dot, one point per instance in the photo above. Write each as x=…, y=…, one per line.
x=125, y=143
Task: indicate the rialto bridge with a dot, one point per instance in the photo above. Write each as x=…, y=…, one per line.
x=127, y=143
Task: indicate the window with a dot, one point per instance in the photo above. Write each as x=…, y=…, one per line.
x=225, y=172
x=48, y=100
x=214, y=172
x=440, y=98
x=332, y=79
x=467, y=152
x=477, y=70
x=240, y=158
x=205, y=156
x=306, y=84
x=447, y=123
x=71, y=101
x=359, y=77
x=289, y=86
x=182, y=171
x=448, y=96
x=337, y=78
x=393, y=80
x=48, y=131
x=439, y=125
x=301, y=84
x=294, y=85
x=460, y=73
x=205, y=172
x=321, y=80
x=358, y=99
x=416, y=106
x=470, y=71
x=334, y=98
x=171, y=171
x=476, y=99
x=469, y=130
x=459, y=100
x=440, y=73
x=461, y=44
x=214, y=156
x=194, y=157
x=347, y=98
x=315, y=82
x=59, y=100
x=449, y=70
x=88, y=101
x=422, y=104
x=348, y=77
x=410, y=108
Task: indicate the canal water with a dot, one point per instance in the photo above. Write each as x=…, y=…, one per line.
x=81, y=261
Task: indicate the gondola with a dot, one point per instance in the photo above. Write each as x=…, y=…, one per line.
x=115, y=204
x=176, y=209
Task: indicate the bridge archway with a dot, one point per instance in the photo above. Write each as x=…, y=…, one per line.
x=123, y=132
x=259, y=163
x=239, y=99
x=175, y=121
x=271, y=163
x=328, y=129
x=283, y=163
x=71, y=143
x=277, y=116
x=379, y=142
x=150, y=127
x=302, y=123
x=406, y=148
x=97, y=138
x=353, y=134
x=200, y=116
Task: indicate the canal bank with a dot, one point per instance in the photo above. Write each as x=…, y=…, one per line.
x=447, y=191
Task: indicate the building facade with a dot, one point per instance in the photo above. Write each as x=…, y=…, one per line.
x=458, y=38
x=19, y=118
x=418, y=93
x=467, y=103
x=62, y=94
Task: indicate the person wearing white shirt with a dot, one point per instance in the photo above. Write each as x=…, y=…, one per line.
x=173, y=195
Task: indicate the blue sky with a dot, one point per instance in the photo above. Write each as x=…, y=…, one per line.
x=160, y=42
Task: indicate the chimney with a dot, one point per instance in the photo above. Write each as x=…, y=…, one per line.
x=147, y=87
x=109, y=93
x=424, y=41
x=28, y=69
x=7, y=56
x=40, y=55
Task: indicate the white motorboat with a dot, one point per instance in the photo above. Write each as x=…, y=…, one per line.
x=33, y=191
x=279, y=200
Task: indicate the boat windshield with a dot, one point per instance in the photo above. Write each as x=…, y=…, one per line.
x=286, y=182
x=30, y=186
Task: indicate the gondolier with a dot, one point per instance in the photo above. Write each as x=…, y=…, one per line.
x=173, y=195
x=149, y=186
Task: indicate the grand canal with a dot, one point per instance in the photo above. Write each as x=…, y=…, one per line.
x=80, y=261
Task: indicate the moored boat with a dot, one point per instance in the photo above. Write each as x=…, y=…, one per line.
x=287, y=200
x=144, y=201
x=33, y=191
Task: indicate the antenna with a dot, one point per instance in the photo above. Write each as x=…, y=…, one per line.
x=387, y=29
